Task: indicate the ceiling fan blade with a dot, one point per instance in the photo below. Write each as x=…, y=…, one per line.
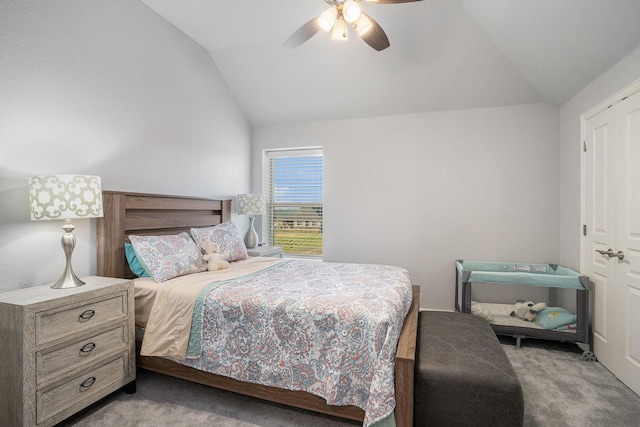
x=302, y=34
x=391, y=1
x=375, y=37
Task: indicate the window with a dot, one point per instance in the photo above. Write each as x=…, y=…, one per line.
x=293, y=187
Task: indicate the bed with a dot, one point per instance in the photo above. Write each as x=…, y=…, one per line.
x=151, y=215
x=557, y=325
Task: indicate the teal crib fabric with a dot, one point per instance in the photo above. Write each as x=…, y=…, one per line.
x=545, y=275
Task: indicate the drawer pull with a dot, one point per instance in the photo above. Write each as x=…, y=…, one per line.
x=87, y=314
x=88, y=348
x=87, y=383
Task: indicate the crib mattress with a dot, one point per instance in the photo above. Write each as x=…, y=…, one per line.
x=500, y=314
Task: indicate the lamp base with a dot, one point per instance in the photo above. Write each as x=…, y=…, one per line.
x=68, y=278
x=251, y=238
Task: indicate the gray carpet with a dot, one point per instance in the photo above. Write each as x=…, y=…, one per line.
x=560, y=389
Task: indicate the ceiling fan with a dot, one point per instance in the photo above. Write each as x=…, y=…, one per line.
x=336, y=19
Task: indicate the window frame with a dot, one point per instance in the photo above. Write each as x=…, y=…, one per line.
x=267, y=155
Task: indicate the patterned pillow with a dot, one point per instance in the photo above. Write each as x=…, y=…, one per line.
x=226, y=235
x=166, y=257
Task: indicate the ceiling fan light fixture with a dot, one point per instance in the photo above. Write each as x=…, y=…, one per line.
x=351, y=11
x=363, y=25
x=335, y=19
x=327, y=19
x=340, y=30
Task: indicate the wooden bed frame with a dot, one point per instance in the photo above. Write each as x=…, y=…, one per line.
x=153, y=214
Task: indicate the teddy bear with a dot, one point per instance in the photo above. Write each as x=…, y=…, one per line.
x=527, y=310
x=215, y=259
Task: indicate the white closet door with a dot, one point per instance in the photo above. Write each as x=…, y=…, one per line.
x=627, y=316
x=600, y=204
x=612, y=215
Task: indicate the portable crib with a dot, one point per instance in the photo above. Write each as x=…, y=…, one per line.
x=542, y=275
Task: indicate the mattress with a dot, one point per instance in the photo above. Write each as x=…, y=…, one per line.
x=500, y=314
x=146, y=289
x=145, y=294
x=329, y=329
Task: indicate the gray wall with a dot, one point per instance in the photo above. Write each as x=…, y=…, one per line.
x=107, y=88
x=423, y=190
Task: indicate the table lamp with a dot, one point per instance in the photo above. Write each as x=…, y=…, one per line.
x=251, y=204
x=57, y=197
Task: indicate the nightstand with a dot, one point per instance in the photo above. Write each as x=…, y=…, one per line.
x=270, y=251
x=64, y=349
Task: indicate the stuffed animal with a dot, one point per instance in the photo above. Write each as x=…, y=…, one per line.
x=527, y=310
x=215, y=260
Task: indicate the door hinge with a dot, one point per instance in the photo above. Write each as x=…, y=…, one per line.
x=584, y=230
x=584, y=146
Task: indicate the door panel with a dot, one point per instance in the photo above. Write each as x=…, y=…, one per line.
x=633, y=345
x=631, y=364
x=628, y=241
x=601, y=158
x=599, y=295
x=600, y=200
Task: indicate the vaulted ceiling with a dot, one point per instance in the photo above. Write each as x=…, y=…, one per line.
x=444, y=54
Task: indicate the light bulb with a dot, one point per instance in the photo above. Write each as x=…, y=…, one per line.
x=350, y=11
x=327, y=19
x=363, y=25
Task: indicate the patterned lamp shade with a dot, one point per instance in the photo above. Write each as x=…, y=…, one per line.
x=251, y=204
x=65, y=197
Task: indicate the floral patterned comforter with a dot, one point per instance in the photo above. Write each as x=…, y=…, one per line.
x=326, y=328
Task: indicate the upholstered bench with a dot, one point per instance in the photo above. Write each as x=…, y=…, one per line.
x=463, y=376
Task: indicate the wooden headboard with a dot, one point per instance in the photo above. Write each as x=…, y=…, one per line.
x=148, y=214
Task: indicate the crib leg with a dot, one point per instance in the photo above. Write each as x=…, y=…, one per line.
x=518, y=339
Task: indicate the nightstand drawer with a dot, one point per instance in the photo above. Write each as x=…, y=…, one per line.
x=53, y=400
x=61, y=322
x=52, y=363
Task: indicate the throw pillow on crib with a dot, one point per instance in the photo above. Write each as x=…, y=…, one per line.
x=554, y=318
